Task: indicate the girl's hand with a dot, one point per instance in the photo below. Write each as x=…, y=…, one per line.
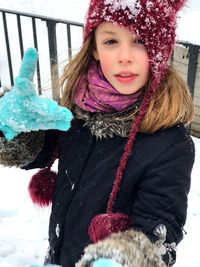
x=22, y=110
x=103, y=262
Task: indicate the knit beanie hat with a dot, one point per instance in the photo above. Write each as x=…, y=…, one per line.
x=154, y=23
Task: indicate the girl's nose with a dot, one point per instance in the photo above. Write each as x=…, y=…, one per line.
x=125, y=55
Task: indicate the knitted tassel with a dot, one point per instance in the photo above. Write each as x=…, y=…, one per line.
x=105, y=224
x=41, y=187
x=42, y=183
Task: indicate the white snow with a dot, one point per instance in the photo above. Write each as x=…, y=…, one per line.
x=23, y=226
x=123, y=4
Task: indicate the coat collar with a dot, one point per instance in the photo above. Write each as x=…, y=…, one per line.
x=105, y=125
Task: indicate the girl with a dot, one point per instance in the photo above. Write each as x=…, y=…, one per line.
x=125, y=164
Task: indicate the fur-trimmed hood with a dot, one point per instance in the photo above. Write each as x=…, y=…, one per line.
x=105, y=125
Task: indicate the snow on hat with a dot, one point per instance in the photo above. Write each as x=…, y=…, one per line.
x=154, y=23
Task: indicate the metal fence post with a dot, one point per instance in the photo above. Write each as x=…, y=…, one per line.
x=20, y=35
x=38, y=62
x=192, y=67
x=8, y=47
x=69, y=41
x=51, y=26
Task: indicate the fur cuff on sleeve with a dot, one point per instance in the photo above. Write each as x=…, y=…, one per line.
x=22, y=150
x=130, y=249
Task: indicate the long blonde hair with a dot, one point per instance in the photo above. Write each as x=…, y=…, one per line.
x=73, y=72
x=171, y=103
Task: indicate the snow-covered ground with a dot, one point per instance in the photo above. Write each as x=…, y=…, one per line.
x=23, y=226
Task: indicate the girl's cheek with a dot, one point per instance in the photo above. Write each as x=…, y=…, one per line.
x=145, y=61
x=105, y=65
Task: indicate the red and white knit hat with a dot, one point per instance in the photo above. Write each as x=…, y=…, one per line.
x=154, y=23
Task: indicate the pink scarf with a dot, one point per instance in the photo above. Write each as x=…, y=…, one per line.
x=95, y=94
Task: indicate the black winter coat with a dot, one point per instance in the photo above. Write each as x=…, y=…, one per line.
x=153, y=191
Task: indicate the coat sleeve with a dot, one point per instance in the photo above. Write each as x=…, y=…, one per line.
x=28, y=150
x=160, y=207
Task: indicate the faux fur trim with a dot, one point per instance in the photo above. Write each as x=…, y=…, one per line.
x=103, y=125
x=130, y=249
x=22, y=150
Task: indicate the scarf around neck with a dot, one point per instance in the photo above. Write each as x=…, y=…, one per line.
x=95, y=94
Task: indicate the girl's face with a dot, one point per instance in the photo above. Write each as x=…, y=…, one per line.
x=123, y=59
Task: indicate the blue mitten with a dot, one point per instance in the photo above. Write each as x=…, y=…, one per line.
x=103, y=262
x=22, y=110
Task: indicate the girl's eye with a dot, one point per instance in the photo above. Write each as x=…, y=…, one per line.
x=110, y=42
x=139, y=42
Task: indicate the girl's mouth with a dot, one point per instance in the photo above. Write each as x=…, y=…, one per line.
x=125, y=77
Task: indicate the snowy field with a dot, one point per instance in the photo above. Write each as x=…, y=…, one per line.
x=23, y=226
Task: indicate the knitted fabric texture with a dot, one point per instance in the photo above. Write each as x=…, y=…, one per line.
x=42, y=183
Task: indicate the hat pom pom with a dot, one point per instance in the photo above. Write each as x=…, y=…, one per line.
x=41, y=187
x=105, y=224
